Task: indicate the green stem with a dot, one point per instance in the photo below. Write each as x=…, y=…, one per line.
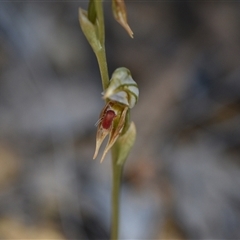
x=102, y=63
x=100, y=17
x=101, y=54
x=116, y=185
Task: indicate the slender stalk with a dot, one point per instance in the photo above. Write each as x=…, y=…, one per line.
x=102, y=63
x=116, y=185
x=100, y=17
x=101, y=54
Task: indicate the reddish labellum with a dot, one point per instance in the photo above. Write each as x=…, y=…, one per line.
x=108, y=118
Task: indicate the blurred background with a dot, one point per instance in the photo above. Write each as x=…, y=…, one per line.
x=182, y=178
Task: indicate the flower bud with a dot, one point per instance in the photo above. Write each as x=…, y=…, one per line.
x=120, y=14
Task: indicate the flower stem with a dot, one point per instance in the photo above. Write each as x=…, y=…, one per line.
x=102, y=63
x=101, y=54
x=117, y=170
x=101, y=27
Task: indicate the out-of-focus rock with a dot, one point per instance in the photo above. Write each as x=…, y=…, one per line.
x=12, y=228
x=10, y=165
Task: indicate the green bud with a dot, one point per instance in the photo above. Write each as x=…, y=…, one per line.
x=90, y=31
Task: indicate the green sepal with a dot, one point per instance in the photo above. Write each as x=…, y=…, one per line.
x=124, y=144
x=90, y=30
